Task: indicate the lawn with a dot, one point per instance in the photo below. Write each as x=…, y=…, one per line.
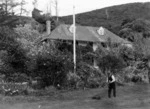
x=128, y=97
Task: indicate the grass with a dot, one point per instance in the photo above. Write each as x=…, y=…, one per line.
x=128, y=97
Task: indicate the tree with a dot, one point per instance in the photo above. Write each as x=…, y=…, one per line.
x=135, y=29
x=36, y=14
x=22, y=9
x=7, y=17
x=52, y=65
x=7, y=20
x=55, y=3
x=8, y=6
x=15, y=58
x=35, y=3
x=110, y=59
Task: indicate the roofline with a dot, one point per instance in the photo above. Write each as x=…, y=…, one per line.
x=68, y=40
x=123, y=40
x=83, y=40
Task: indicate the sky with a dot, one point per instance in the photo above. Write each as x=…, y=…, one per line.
x=65, y=7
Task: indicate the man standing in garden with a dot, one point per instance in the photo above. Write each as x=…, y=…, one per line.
x=111, y=84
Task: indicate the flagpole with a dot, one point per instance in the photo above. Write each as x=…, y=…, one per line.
x=74, y=39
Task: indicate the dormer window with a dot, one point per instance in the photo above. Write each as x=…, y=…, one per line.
x=71, y=28
x=101, y=31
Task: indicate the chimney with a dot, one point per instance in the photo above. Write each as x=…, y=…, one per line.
x=48, y=27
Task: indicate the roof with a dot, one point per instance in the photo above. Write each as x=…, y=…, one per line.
x=85, y=33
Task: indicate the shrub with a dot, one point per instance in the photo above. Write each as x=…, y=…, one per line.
x=111, y=62
x=52, y=67
x=72, y=79
x=136, y=79
x=89, y=77
x=27, y=33
x=15, y=58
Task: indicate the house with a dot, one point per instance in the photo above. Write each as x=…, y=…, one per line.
x=86, y=34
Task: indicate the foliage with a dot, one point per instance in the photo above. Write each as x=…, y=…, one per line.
x=111, y=62
x=43, y=18
x=27, y=36
x=7, y=20
x=14, y=58
x=88, y=76
x=13, y=89
x=37, y=16
x=37, y=26
x=110, y=59
x=22, y=9
x=117, y=14
x=7, y=14
x=135, y=29
x=28, y=39
x=84, y=53
x=52, y=61
x=127, y=54
x=9, y=5
x=27, y=32
x=52, y=66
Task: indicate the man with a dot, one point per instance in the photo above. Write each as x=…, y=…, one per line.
x=111, y=85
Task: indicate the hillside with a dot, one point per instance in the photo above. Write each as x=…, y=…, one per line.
x=111, y=17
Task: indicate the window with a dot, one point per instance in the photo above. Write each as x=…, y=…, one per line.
x=71, y=28
x=104, y=44
x=101, y=31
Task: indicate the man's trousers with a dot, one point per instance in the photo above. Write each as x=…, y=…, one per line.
x=112, y=86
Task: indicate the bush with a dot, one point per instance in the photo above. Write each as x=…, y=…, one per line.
x=17, y=77
x=136, y=79
x=135, y=75
x=27, y=33
x=89, y=77
x=52, y=67
x=72, y=79
x=15, y=58
x=12, y=89
x=111, y=62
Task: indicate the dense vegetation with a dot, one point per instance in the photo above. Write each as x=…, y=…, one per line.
x=24, y=57
x=111, y=17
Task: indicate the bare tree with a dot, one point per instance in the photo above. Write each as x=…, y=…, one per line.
x=5, y=5
x=22, y=9
x=7, y=17
x=35, y=3
x=49, y=10
x=55, y=3
x=9, y=5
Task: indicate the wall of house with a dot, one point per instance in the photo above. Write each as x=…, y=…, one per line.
x=128, y=45
x=95, y=46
